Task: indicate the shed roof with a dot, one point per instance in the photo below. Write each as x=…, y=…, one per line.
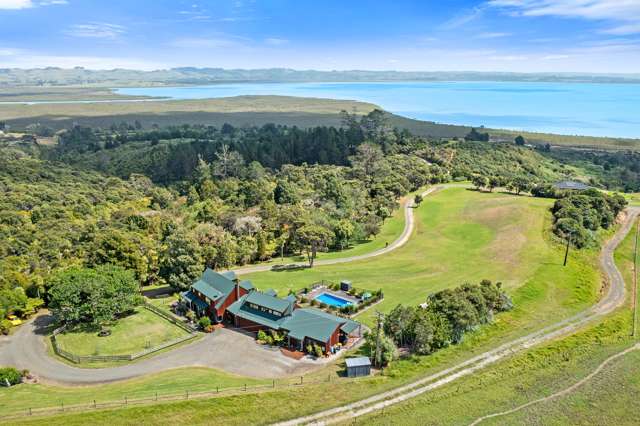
x=569, y=184
x=358, y=362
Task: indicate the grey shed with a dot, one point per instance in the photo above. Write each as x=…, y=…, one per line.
x=358, y=367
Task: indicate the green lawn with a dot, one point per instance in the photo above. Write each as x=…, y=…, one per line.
x=129, y=335
x=461, y=236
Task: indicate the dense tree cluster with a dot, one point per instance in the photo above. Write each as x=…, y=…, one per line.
x=579, y=215
x=446, y=317
x=93, y=296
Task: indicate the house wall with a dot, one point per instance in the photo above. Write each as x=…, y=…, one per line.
x=229, y=301
x=250, y=325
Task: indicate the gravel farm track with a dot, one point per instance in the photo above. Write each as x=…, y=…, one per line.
x=612, y=299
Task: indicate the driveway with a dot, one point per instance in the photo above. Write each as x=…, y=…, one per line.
x=225, y=349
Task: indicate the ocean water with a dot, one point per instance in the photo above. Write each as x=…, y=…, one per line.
x=564, y=108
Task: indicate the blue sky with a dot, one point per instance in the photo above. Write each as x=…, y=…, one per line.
x=485, y=35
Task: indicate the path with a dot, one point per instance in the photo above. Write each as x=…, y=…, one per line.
x=564, y=391
x=409, y=224
x=26, y=348
x=613, y=298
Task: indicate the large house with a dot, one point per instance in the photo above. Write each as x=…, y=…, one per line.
x=223, y=297
x=213, y=293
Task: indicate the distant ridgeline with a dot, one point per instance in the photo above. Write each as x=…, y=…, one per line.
x=189, y=75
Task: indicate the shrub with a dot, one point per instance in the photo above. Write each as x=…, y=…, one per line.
x=209, y=329
x=10, y=375
x=204, y=322
x=303, y=299
x=5, y=326
x=309, y=348
x=323, y=305
x=318, y=351
x=314, y=302
x=262, y=336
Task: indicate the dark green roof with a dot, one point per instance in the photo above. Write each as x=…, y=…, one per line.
x=270, y=302
x=214, y=285
x=312, y=323
x=242, y=310
x=206, y=289
x=190, y=297
x=247, y=285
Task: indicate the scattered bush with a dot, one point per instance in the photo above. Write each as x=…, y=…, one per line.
x=204, y=322
x=578, y=216
x=10, y=375
x=262, y=336
x=318, y=351
x=449, y=314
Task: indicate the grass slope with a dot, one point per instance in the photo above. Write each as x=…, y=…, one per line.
x=509, y=244
x=461, y=235
x=607, y=399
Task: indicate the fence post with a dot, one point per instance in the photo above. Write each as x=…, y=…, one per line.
x=217, y=389
x=329, y=378
x=125, y=400
x=187, y=394
x=94, y=404
x=62, y=405
x=245, y=387
x=156, y=396
x=301, y=378
x=30, y=412
x=274, y=383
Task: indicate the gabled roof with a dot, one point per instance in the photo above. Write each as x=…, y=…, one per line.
x=240, y=309
x=247, y=285
x=358, y=362
x=190, y=297
x=312, y=323
x=214, y=285
x=206, y=289
x=269, y=302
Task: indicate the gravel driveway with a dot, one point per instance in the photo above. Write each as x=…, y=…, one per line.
x=225, y=349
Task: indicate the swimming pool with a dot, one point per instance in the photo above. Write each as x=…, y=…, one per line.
x=333, y=300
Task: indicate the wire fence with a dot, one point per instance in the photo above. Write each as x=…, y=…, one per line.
x=78, y=359
x=147, y=398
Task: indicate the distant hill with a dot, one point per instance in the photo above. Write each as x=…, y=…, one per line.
x=196, y=76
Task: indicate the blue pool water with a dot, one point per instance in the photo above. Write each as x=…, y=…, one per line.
x=330, y=299
x=566, y=108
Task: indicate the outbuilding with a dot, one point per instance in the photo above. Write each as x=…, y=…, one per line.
x=358, y=367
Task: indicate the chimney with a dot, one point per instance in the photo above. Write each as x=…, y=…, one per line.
x=236, y=281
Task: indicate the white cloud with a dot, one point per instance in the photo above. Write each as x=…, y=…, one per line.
x=463, y=19
x=28, y=4
x=96, y=30
x=492, y=35
x=275, y=41
x=625, y=14
x=555, y=57
x=16, y=4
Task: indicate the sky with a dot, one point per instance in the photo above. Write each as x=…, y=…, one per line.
x=591, y=36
